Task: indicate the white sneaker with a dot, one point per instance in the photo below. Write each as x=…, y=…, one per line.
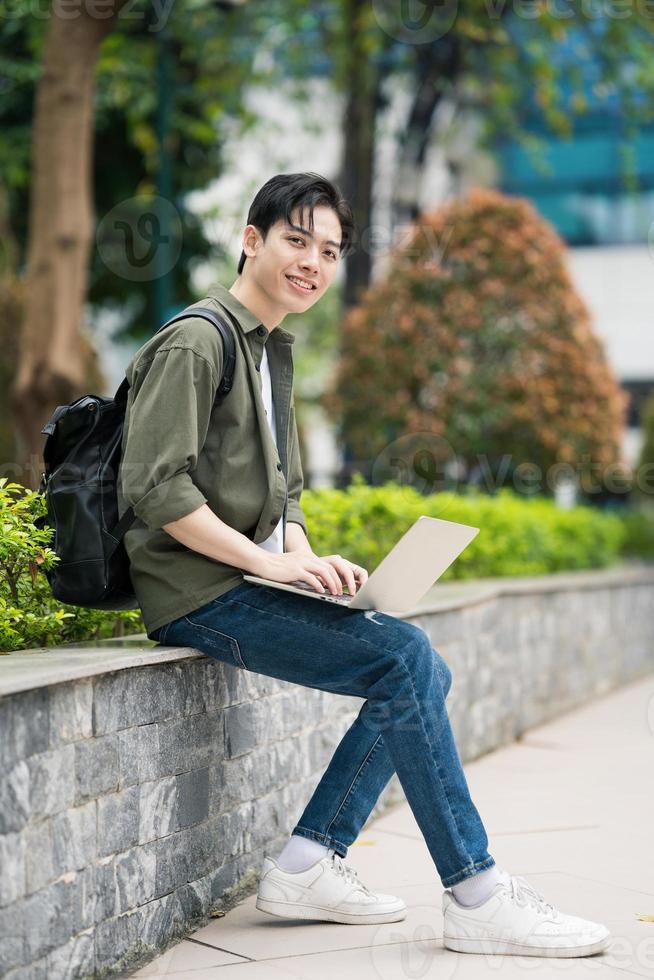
x=515, y=919
x=328, y=890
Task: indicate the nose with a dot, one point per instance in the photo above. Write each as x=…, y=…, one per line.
x=309, y=260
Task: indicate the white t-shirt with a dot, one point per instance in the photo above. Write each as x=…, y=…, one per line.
x=275, y=542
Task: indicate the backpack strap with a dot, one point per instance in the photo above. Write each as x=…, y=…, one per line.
x=230, y=353
x=50, y=426
x=118, y=530
x=224, y=387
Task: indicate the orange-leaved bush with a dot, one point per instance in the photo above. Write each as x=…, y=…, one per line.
x=477, y=335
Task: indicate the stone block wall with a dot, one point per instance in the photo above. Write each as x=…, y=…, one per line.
x=131, y=802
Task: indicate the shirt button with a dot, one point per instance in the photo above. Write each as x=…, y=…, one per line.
x=273, y=521
x=279, y=466
x=258, y=367
x=261, y=331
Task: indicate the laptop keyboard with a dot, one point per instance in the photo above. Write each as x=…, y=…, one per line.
x=341, y=599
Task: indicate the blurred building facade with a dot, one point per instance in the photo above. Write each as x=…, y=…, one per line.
x=597, y=189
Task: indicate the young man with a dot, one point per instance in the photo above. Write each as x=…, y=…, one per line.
x=216, y=491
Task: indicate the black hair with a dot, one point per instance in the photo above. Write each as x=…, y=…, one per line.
x=283, y=193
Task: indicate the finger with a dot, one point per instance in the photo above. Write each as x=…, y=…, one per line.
x=345, y=570
x=314, y=581
x=324, y=572
x=329, y=584
x=333, y=578
x=348, y=574
x=342, y=570
x=336, y=579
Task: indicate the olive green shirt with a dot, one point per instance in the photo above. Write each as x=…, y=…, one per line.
x=179, y=452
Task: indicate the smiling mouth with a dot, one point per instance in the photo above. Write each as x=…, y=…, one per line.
x=301, y=283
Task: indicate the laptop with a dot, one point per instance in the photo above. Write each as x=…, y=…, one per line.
x=403, y=577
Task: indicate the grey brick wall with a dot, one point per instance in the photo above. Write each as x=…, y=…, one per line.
x=135, y=801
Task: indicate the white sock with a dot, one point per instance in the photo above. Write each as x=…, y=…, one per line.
x=300, y=853
x=476, y=889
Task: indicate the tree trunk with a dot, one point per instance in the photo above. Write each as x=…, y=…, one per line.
x=362, y=84
x=11, y=315
x=434, y=64
x=61, y=224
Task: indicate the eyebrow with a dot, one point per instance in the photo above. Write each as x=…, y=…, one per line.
x=311, y=235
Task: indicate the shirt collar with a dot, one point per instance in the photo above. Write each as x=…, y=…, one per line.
x=246, y=319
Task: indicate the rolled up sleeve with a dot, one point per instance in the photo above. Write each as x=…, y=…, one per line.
x=171, y=400
x=294, y=511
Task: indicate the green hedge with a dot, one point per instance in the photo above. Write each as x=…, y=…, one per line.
x=518, y=535
x=639, y=533
x=29, y=614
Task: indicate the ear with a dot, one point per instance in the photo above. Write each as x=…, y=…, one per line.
x=251, y=241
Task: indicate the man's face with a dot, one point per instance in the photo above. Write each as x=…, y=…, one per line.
x=289, y=254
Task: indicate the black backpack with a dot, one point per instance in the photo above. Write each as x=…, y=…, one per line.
x=81, y=459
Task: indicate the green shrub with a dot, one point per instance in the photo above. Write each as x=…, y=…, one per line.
x=639, y=533
x=518, y=536
x=29, y=614
x=476, y=337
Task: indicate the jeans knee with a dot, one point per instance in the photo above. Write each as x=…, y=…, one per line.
x=444, y=672
x=422, y=655
x=424, y=659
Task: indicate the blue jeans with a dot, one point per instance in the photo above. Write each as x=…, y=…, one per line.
x=402, y=727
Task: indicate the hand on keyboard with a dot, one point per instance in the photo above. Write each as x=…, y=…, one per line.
x=345, y=597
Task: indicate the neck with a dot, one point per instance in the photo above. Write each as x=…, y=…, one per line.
x=256, y=302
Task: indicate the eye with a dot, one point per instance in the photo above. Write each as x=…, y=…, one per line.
x=296, y=238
